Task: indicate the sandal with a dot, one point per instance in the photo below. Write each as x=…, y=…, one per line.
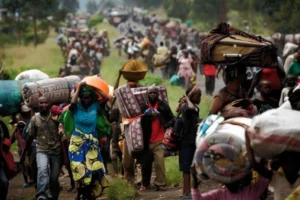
x=160, y=187
x=142, y=188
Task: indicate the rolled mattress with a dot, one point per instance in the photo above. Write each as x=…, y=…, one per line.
x=56, y=90
x=221, y=155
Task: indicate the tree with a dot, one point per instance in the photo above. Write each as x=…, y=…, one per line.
x=92, y=6
x=37, y=10
x=178, y=8
x=70, y=5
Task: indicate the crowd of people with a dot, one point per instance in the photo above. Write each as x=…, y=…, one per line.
x=83, y=49
x=71, y=134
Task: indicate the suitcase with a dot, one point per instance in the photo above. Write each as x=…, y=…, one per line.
x=140, y=94
x=134, y=137
x=127, y=102
x=226, y=45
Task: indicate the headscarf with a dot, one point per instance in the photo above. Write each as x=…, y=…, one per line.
x=88, y=90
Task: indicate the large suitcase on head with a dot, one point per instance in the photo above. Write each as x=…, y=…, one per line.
x=226, y=45
x=140, y=94
x=128, y=105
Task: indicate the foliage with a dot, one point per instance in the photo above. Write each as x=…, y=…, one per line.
x=178, y=8
x=150, y=79
x=92, y=6
x=71, y=5
x=94, y=20
x=120, y=189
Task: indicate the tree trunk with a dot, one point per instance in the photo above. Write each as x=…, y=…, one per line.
x=35, y=31
x=222, y=11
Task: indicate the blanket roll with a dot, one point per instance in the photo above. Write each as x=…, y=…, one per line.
x=222, y=155
x=56, y=90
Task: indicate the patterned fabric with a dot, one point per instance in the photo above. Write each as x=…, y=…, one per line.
x=140, y=94
x=185, y=68
x=294, y=195
x=86, y=160
x=134, y=137
x=128, y=105
x=221, y=154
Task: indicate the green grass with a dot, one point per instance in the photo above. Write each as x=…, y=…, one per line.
x=120, y=189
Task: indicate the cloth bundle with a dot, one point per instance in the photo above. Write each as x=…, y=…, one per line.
x=10, y=96
x=274, y=132
x=32, y=74
x=140, y=94
x=221, y=154
x=56, y=90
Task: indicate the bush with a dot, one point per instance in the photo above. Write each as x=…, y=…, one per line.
x=94, y=20
x=151, y=80
x=120, y=189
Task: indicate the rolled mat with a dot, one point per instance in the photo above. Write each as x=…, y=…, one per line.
x=221, y=155
x=56, y=90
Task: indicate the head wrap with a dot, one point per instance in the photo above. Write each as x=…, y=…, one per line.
x=87, y=90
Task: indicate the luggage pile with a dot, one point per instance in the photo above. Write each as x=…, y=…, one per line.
x=221, y=151
x=228, y=46
x=56, y=90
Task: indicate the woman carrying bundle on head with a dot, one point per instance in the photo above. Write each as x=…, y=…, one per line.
x=84, y=152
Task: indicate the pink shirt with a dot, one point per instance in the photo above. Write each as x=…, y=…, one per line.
x=252, y=192
x=21, y=141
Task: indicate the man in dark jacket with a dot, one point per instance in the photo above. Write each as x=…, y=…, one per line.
x=156, y=115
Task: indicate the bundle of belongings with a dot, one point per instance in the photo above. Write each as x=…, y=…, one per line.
x=221, y=149
x=103, y=126
x=128, y=102
x=56, y=90
x=226, y=45
x=275, y=132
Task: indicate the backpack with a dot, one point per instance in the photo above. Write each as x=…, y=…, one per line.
x=173, y=134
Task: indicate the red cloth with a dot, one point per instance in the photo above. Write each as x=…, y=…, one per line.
x=56, y=110
x=209, y=70
x=158, y=131
x=8, y=159
x=270, y=74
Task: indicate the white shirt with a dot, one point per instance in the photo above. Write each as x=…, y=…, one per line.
x=288, y=62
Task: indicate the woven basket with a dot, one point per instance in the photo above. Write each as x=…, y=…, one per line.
x=134, y=76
